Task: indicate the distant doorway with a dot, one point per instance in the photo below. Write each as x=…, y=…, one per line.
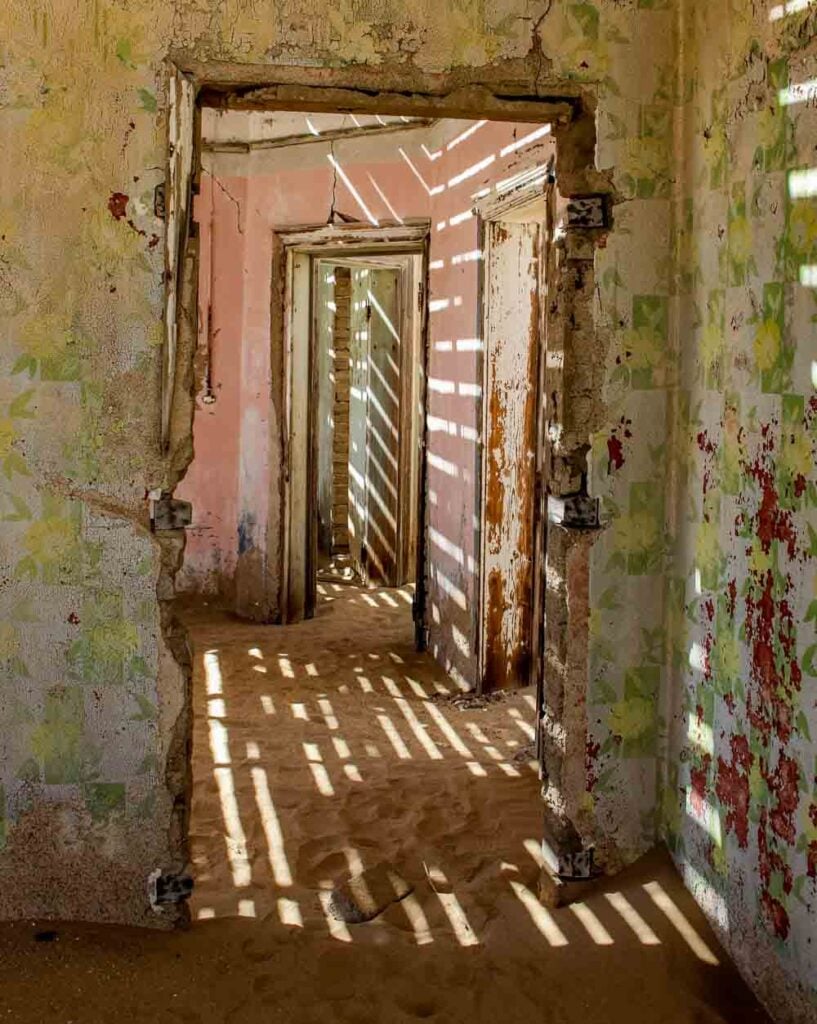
x=356, y=403
x=367, y=317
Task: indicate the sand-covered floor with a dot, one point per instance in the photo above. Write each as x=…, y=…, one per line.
x=330, y=746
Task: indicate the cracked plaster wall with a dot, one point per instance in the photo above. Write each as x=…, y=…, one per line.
x=740, y=789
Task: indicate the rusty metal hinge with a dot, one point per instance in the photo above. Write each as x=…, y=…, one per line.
x=578, y=511
x=167, y=888
x=159, y=204
x=589, y=211
x=168, y=513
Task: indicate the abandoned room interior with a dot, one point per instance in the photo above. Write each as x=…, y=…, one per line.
x=408, y=424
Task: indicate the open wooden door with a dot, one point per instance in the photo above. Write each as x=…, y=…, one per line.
x=374, y=423
x=383, y=425
x=511, y=332
x=358, y=416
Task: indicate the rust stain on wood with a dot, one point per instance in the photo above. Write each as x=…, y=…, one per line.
x=512, y=347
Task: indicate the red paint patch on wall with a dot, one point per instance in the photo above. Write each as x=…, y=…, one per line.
x=732, y=788
x=770, y=631
x=732, y=592
x=811, y=859
x=615, y=454
x=707, y=446
x=615, y=444
x=118, y=205
x=770, y=862
x=591, y=752
x=776, y=914
x=709, y=449
x=697, y=781
x=784, y=782
x=772, y=522
x=770, y=628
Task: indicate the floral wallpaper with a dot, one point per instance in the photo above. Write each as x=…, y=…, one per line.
x=744, y=719
x=716, y=517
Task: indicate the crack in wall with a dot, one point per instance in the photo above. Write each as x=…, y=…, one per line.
x=220, y=184
x=537, y=45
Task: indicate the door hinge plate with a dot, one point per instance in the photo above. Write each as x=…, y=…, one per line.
x=573, y=510
x=166, y=888
x=590, y=211
x=168, y=513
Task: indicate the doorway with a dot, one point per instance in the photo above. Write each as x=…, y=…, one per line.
x=354, y=324
x=367, y=320
x=368, y=293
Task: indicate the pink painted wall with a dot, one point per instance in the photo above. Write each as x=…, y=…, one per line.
x=433, y=173
x=243, y=199
x=211, y=483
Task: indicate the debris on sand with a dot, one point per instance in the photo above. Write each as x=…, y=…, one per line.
x=363, y=896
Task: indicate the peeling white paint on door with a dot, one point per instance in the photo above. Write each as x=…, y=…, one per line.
x=511, y=342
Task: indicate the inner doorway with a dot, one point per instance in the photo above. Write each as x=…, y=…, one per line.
x=367, y=321
x=355, y=333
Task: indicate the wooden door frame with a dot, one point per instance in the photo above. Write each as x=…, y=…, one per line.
x=504, y=90
x=312, y=244
x=516, y=206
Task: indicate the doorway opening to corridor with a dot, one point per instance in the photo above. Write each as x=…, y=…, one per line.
x=368, y=325
x=370, y=356
x=356, y=396
x=362, y=567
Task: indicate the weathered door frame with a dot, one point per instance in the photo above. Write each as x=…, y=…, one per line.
x=526, y=204
x=511, y=90
x=483, y=93
x=296, y=253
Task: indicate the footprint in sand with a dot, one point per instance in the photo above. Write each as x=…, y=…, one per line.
x=422, y=1009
